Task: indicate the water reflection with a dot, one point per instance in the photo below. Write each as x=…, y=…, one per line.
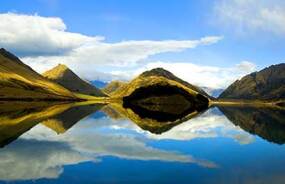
x=151, y=119
x=40, y=140
x=268, y=123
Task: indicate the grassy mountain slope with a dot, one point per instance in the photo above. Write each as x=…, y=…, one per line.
x=19, y=81
x=62, y=75
x=160, y=72
x=267, y=84
x=160, y=77
x=113, y=86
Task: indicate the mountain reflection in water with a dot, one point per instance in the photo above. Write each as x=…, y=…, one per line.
x=39, y=140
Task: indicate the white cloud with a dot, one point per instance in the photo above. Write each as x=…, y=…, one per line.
x=45, y=42
x=85, y=58
x=246, y=66
x=243, y=16
x=48, y=38
x=36, y=35
x=200, y=75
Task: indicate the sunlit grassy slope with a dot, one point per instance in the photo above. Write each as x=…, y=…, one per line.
x=113, y=86
x=154, y=77
x=62, y=75
x=19, y=81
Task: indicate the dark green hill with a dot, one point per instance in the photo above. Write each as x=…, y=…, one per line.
x=267, y=84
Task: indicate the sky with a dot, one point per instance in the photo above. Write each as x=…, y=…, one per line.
x=209, y=43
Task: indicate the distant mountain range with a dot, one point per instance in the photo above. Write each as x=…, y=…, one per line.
x=267, y=84
x=20, y=82
x=62, y=75
x=99, y=84
x=213, y=92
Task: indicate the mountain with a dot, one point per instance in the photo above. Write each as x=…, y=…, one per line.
x=20, y=82
x=113, y=86
x=62, y=75
x=98, y=83
x=161, y=87
x=267, y=84
x=160, y=72
x=157, y=76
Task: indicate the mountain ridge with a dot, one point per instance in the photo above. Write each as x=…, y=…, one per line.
x=64, y=76
x=18, y=81
x=157, y=76
x=266, y=84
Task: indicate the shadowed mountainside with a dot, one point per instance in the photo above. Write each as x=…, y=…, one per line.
x=19, y=82
x=160, y=87
x=62, y=75
x=267, y=123
x=267, y=84
x=160, y=72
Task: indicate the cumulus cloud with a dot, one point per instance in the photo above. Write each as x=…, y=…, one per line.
x=251, y=15
x=36, y=35
x=44, y=42
x=200, y=75
x=33, y=35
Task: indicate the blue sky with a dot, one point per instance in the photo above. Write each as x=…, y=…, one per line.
x=250, y=35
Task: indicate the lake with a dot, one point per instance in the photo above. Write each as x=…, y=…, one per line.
x=97, y=143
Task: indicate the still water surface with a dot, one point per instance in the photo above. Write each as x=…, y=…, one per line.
x=109, y=144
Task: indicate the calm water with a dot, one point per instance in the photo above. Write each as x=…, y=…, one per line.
x=110, y=144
